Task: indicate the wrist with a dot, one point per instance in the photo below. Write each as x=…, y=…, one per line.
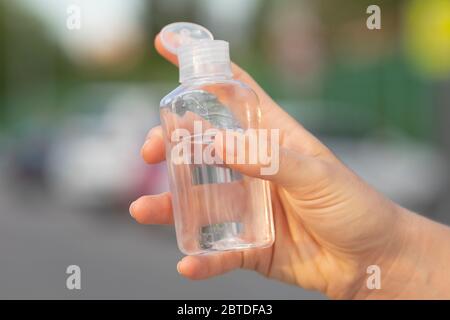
x=413, y=262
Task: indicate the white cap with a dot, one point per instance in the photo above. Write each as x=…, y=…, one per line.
x=199, y=55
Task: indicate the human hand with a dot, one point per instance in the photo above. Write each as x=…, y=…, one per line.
x=329, y=224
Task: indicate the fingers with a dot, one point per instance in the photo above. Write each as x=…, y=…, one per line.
x=153, y=150
x=157, y=209
x=154, y=209
x=207, y=266
x=164, y=52
x=247, y=154
x=241, y=75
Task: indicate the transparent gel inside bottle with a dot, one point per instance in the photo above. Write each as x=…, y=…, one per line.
x=215, y=208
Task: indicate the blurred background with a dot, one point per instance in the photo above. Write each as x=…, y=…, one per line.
x=76, y=104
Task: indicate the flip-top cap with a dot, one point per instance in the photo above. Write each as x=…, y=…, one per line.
x=199, y=55
x=178, y=34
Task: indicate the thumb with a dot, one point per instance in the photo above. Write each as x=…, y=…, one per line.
x=256, y=155
x=164, y=52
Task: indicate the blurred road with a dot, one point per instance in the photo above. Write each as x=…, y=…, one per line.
x=40, y=235
x=118, y=258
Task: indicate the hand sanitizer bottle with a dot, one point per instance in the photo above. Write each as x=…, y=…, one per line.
x=215, y=208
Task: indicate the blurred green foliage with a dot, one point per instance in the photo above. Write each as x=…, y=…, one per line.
x=356, y=96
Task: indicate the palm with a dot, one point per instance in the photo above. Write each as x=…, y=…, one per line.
x=297, y=256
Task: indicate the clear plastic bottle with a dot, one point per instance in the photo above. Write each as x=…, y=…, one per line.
x=214, y=207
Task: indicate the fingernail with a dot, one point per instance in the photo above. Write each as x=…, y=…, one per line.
x=178, y=267
x=131, y=208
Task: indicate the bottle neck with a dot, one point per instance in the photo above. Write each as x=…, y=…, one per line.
x=208, y=70
x=207, y=78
